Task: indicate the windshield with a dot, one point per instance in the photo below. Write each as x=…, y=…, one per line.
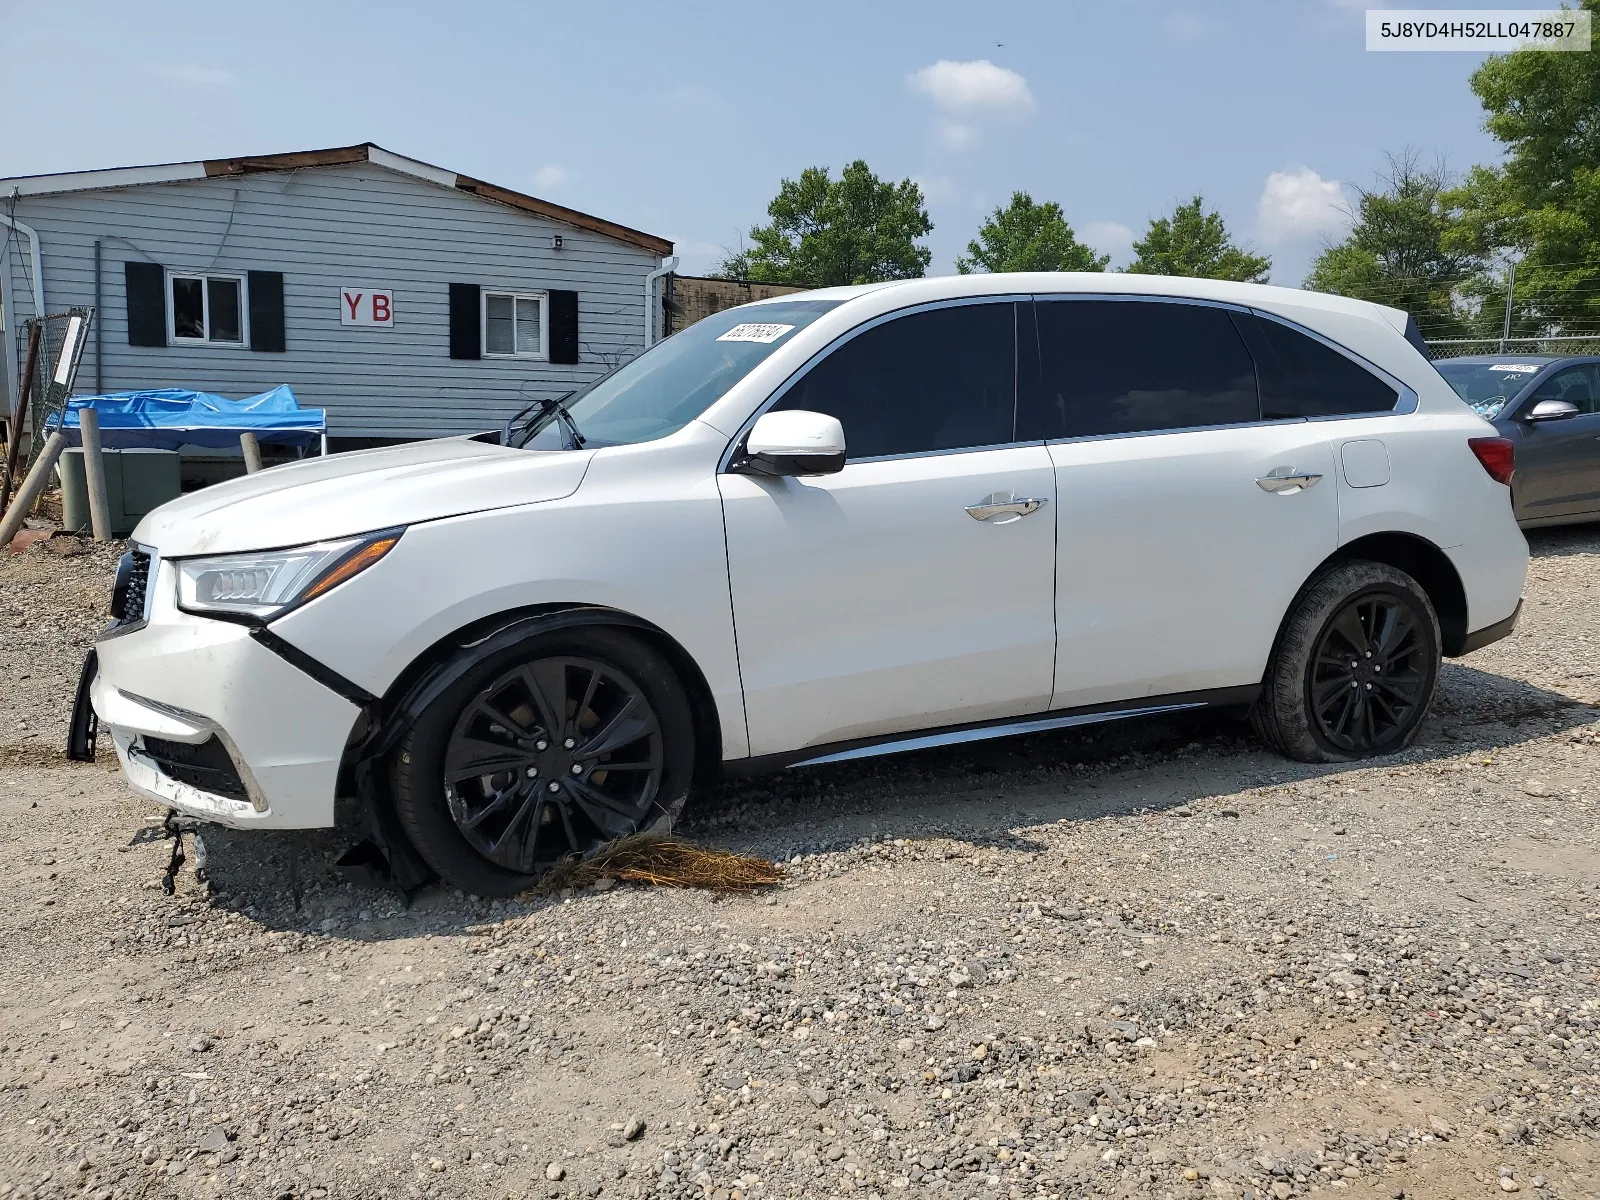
x=673, y=382
x=1488, y=387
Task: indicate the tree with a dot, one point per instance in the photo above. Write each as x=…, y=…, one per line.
x=735, y=264
x=1543, y=204
x=1195, y=243
x=1024, y=236
x=855, y=229
x=1401, y=251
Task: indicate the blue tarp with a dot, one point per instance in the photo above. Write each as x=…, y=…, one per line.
x=173, y=417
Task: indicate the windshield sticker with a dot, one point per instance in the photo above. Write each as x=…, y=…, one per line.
x=748, y=332
x=1525, y=368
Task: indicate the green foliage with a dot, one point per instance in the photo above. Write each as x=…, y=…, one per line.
x=1195, y=243
x=1544, y=108
x=824, y=231
x=1543, y=203
x=735, y=264
x=1024, y=236
x=1399, y=252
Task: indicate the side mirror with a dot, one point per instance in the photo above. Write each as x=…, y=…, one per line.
x=1551, y=410
x=793, y=443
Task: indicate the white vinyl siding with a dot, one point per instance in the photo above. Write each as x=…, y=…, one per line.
x=515, y=325
x=325, y=228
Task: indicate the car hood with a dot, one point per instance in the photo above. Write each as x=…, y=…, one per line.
x=343, y=494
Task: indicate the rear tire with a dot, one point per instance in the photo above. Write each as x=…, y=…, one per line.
x=1355, y=667
x=543, y=753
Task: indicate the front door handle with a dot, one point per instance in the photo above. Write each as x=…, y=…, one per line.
x=1285, y=481
x=1002, y=508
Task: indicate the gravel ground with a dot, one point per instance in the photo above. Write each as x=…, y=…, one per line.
x=1145, y=959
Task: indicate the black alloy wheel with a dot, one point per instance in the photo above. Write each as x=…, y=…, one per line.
x=542, y=751
x=1353, y=671
x=552, y=759
x=1371, y=674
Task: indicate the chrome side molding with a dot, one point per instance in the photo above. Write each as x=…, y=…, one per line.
x=956, y=737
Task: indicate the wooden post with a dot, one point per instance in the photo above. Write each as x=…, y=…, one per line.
x=94, y=474
x=31, y=487
x=252, y=452
x=35, y=330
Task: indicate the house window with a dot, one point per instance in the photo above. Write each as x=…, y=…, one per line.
x=514, y=325
x=206, y=308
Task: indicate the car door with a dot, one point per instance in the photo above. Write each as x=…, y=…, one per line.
x=1185, y=522
x=914, y=588
x=1558, y=462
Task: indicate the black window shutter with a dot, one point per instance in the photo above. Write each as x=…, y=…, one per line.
x=466, y=332
x=563, y=327
x=147, y=303
x=266, y=310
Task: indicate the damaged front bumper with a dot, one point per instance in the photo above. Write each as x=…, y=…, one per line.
x=208, y=721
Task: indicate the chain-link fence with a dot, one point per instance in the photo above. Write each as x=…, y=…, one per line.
x=1538, y=306
x=42, y=399
x=62, y=338
x=1567, y=344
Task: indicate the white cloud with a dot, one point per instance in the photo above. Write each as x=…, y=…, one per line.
x=193, y=75
x=1298, y=204
x=551, y=177
x=970, y=94
x=1108, y=237
x=971, y=88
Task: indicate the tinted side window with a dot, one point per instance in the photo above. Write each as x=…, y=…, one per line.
x=1575, y=385
x=1134, y=366
x=1301, y=377
x=944, y=379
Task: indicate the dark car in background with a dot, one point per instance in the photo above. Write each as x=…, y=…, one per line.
x=1550, y=407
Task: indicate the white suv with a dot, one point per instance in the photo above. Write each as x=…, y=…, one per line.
x=842, y=523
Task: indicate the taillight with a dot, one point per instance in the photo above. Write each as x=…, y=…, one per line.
x=1498, y=456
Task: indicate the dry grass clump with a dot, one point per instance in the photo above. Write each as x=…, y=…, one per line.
x=666, y=861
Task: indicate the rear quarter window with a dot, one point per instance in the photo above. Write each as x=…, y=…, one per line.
x=1303, y=377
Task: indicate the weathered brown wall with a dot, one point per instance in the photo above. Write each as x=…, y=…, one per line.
x=691, y=298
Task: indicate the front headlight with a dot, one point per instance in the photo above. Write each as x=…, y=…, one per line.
x=269, y=582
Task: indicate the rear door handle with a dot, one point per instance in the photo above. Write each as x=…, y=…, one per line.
x=1286, y=480
x=1002, y=508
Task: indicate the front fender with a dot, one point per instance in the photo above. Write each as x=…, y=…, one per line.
x=643, y=536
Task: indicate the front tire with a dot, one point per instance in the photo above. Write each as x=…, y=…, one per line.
x=543, y=753
x=1355, y=667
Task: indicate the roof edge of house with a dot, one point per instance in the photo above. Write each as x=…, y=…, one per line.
x=114, y=177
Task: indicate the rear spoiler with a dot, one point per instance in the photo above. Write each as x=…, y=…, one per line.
x=1414, y=336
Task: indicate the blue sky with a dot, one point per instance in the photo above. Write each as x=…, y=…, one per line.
x=681, y=119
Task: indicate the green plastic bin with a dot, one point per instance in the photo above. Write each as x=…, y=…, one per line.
x=136, y=482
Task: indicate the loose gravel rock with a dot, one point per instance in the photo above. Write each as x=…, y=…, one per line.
x=1144, y=959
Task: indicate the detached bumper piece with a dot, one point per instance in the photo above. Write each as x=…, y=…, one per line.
x=174, y=827
x=85, y=726
x=206, y=765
